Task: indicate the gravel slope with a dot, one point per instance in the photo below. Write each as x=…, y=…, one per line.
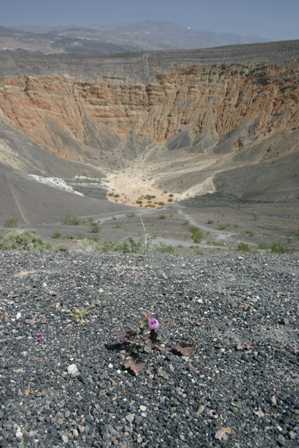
x=239, y=314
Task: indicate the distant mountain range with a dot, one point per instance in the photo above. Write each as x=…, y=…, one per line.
x=104, y=40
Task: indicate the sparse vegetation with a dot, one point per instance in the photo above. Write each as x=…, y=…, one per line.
x=23, y=241
x=297, y=234
x=263, y=246
x=129, y=246
x=223, y=226
x=149, y=197
x=275, y=248
x=70, y=220
x=56, y=235
x=217, y=243
x=11, y=222
x=165, y=249
x=94, y=227
x=80, y=315
x=197, y=235
x=244, y=247
x=278, y=248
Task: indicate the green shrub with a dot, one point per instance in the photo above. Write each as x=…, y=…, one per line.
x=23, y=241
x=94, y=227
x=129, y=246
x=165, y=249
x=263, y=246
x=56, y=235
x=81, y=315
x=278, y=248
x=223, y=226
x=196, y=235
x=11, y=222
x=86, y=244
x=70, y=220
x=244, y=247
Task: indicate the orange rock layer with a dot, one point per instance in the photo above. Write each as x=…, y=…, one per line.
x=213, y=99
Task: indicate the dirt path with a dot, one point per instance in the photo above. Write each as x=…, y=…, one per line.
x=16, y=201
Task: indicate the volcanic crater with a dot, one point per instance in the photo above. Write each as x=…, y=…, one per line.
x=157, y=128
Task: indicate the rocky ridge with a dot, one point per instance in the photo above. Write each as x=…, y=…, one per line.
x=206, y=103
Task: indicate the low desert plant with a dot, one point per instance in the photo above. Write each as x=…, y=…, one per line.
x=11, y=222
x=80, y=315
x=165, y=249
x=278, y=248
x=94, y=227
x=275, y=248
x=23, y=241
x=70, y=220
x=56, y=235
x=223, y=226
x=263, y=246
x=244, y=247
x=197, y=235
x=129, y=246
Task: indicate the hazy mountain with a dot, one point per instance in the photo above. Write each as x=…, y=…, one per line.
x=155, y=36
x=104, y=40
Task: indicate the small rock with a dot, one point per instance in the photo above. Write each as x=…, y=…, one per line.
x=73, y=370
x=281, y=440
x=200, y=410
x=19, y=434
x=223, y=433
x=130, y=418
x=64, y=438
x=259, y=413
x=163, y=374
x=292, y=435
x=142, y=408
x=75, y=433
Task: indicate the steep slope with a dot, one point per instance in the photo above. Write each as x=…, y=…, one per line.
x=214, y=101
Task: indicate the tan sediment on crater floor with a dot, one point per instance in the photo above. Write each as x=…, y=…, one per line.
x=138, y=186
x=132, y=187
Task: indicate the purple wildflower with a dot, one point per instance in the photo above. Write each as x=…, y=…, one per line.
x=153, y=324
x=39, y=337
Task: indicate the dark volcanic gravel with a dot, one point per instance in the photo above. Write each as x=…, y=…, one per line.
x=239, y=314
